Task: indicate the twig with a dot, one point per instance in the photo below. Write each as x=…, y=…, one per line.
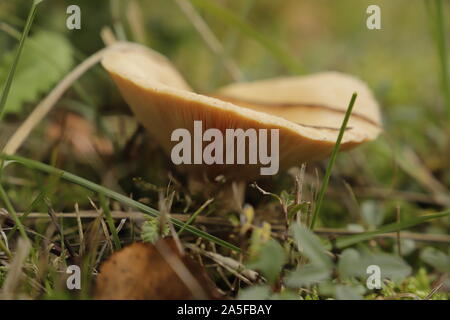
x=228, y=263
x=80, y=230
x=438, y=238
x=15, y=269
x=183, y=273
x=410, y=162
x=136, y=21
x=399, y=245
x=164, y=207
x=436, y=289
x=44, y=107
x=116, y=20
x=397, y=194
x=53, y=217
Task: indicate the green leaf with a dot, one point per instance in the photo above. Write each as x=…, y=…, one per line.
x=150, y=230
x=285, y=295
x=350, y=264
x=371, y=214
x=254, y=293
x=347, y=293
x=46, y=58
x=436, y=258
x=269, y=260
x=392, y=267
x=309, y=245
x=296, y=208
x=354, y=264
x=307, y=275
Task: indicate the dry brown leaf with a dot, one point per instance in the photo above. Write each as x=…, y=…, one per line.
x=80, y=134
x=143, y=271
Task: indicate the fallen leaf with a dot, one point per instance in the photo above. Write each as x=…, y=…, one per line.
x=143, y=271
x=80, y=134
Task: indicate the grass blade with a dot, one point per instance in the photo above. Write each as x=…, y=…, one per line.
x=393, y=227
x=113, y=195
x=194, y=215
x=12, y=71
x=233, y=20
x=333, y=156
x=4, y=197
x=39, y=198
x=110, y=221
x=437, y=21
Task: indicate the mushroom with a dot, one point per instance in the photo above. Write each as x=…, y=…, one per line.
x=307, y=110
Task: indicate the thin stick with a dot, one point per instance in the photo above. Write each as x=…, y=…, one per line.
x=210, y=39
x=423, y=237
x=80, y=230
x=53, y=217
x=109, y=220
x=44, y=107
x=399, y=245
x=136, y=21
x=227, y=262
x=116, y=20
x=15, y=270
x=183, y=273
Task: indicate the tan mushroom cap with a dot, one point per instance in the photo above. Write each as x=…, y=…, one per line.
x=307, y=110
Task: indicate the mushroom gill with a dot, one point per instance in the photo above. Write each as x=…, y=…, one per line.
x=307, y=110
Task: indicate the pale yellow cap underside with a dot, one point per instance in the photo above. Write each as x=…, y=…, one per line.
x=308, y=110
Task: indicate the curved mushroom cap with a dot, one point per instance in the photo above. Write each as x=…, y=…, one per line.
x=307, y=110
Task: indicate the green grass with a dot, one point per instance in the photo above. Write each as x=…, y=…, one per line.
x=9, y=79
x=326, y=178
x=343, y=242
x=274, y=251
x=437, y=20
x=113, y=195
x=234, y=21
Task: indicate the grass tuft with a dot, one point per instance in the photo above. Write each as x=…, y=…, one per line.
x=36, y=165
